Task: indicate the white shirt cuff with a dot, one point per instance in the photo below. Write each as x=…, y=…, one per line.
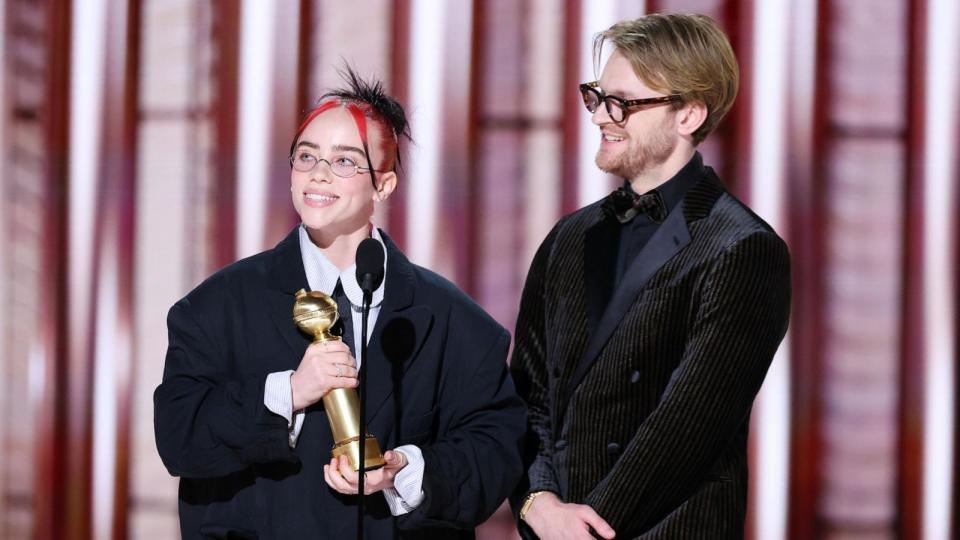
x=278, y=398
x=407, y=491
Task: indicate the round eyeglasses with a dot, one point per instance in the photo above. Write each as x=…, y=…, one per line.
x=342, y=166
x=617, y=107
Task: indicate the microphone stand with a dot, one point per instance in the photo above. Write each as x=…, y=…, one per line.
x=362, y=374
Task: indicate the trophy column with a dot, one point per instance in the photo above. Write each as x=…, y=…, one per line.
x=315, y=313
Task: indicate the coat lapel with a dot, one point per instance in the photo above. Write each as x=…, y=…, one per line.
x=599, y=267
x=671, y=237
x=286, y=278
x=399, y=333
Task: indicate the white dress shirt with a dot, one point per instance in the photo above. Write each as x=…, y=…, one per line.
x=322, y=275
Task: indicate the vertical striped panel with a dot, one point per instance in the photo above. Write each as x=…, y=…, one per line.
x=221, y=28
x=253, y=124
x=438, y=216
x=112, y=322
x=50, y=502
x=426, y=61
x=913, y=347
x=269, y=89
x=940, y=196
x=34, y=183
x=864, y=173
x=308, y=30
x=498, y=123
x=572, y=107
x=807, y=192
x=363, y=42
x=545, y=103
x=399, y=66
x=592, y=183
x=804, y=233
x=185, y=194
x=454, y=231
x=6, y=243
x=87, y=83
x=285, y=83
x=762, y=116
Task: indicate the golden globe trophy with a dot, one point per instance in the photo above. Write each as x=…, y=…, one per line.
x=315, y=313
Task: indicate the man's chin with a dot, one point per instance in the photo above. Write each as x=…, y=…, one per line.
x=607, y=167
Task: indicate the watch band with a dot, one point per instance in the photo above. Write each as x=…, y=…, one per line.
x=527, y=503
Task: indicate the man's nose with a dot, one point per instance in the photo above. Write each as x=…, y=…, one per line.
x=600, y=115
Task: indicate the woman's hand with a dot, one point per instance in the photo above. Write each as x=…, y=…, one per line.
x=324, y=366
x=342, y=478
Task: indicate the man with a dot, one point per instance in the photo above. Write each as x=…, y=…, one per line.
x=648, y=321
x=239, y=416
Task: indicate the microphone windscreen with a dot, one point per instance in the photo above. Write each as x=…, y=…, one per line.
x=369, y=264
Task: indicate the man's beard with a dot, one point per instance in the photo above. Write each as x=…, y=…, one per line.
x=637, y=161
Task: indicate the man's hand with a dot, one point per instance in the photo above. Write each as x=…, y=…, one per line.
x=344, y=479
x=324, y=366
x=552, y=518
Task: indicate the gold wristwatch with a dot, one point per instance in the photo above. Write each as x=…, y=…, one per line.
x=527, y=503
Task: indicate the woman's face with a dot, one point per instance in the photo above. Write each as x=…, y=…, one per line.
x=330, y=205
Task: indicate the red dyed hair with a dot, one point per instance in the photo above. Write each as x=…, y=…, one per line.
x=359, y=112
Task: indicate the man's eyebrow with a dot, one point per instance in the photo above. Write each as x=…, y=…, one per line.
x=618, y=93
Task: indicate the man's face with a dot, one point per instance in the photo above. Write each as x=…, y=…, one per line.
x=641, y=144
x=327, y=202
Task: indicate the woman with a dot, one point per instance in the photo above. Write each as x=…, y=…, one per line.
x=239, y=417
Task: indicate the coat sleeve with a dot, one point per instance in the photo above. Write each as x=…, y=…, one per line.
x=209, y=421
x=475, y=461
x=529, y=369
x=739, y=323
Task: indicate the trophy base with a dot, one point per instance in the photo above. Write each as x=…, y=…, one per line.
x=351, y=449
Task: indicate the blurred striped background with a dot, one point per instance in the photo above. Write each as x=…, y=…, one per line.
x=143, y=145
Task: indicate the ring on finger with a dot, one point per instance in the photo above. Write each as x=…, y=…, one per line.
x=339, y=370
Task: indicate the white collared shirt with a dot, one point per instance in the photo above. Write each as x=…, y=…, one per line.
x=322, y=275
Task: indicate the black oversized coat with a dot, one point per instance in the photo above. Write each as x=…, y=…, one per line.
x=436, y=377
x=640, y=397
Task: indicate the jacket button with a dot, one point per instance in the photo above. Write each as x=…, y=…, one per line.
x=560, y=444
x=634, y=377
x=613, y=449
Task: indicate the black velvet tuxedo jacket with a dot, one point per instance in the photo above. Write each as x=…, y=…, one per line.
x=437, y=377
x=639, y=398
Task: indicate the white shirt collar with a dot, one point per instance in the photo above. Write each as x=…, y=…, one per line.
x=322, y=275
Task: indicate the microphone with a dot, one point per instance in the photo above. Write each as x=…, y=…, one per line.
x=369, y=275
x=369, y=265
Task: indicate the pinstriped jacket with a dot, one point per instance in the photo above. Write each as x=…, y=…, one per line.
x=639, y=398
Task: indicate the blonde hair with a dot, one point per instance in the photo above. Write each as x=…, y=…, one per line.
x=684, y=54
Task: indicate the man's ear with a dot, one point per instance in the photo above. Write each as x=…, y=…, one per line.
x=690, y=117
x=388, y=183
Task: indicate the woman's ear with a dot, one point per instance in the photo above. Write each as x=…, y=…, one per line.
x=388, y=183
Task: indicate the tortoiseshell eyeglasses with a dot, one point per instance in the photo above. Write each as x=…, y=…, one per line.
x=617, y=107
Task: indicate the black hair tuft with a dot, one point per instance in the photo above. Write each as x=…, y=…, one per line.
x=371, y=93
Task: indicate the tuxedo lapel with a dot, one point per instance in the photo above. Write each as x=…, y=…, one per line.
x=671, y=237
x=599, y=268
x=399, y=333
x=286, y=277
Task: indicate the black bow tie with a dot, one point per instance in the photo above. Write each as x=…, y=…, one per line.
x=624, y=205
